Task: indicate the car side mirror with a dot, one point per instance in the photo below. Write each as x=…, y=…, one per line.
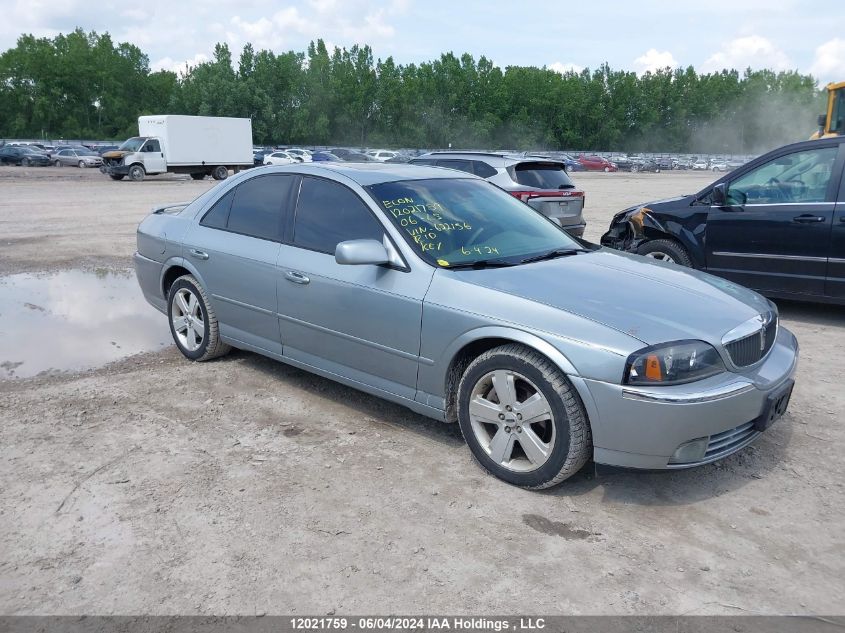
x=358, y=252
x=720, y=195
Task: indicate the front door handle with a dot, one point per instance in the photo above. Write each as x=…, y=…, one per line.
x=806, y=218
x=194, y=252
x=297, y=278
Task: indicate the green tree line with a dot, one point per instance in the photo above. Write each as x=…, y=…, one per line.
x=84, y=85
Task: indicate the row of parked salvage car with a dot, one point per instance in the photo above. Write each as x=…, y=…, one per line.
x=30, y=155
x=459, y=301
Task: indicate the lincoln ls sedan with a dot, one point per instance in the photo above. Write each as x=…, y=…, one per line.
x=437, y=290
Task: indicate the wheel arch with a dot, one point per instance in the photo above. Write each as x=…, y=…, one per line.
x=469, y=346
x=175, y=268
x=648, y=226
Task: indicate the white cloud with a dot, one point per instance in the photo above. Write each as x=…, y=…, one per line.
x=167, y=63
x=829, y=62
x=568, y=67
x=752, y=51
x=653, y=60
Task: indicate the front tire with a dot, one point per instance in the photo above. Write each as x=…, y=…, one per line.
x=26, y=162
x=81, y=164
x=522, y=419
x=666, y=251
x=136, y=173
x=193, y=323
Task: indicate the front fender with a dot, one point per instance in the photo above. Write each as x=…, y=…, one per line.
x=511, y=334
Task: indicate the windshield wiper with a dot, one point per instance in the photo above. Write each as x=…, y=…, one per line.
x=558, y=252
x=479, y=264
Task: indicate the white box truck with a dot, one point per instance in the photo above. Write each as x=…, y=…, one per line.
x=197, y=145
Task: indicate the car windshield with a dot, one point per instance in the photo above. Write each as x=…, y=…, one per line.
x=456, y=221
x=133, y=144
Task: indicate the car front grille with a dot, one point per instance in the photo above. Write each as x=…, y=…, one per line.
x=728, y=441
x=750, y=349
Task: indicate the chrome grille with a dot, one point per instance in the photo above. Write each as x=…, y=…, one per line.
x=730, y=440
x=750, y=349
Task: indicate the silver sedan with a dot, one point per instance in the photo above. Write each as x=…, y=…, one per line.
x=437, y=290
x=76, y=158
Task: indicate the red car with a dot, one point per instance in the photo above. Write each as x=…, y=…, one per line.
x=597, y=163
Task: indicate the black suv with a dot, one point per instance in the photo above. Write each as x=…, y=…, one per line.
x=776, y=224
x=541, y=183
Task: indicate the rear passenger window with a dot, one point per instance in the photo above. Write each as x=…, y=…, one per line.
x=423, y=161
x=218, y=215
x=483, y=169
x=253, y=208
x=257, y=207
x=328, y=213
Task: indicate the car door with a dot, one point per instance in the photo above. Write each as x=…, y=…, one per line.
x=835, y=283
x=154, y=162
x=234, y=247
x=360, y=322
x=774, y=231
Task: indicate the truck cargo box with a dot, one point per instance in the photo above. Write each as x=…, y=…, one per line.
x=200, y=140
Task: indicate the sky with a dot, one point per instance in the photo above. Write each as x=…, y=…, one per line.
x=643, y=35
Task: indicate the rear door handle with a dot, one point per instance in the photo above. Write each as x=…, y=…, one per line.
x=197, y=253
x=297, y=278
x=806, y=218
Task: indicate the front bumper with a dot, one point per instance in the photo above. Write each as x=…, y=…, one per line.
x=639, y=427
x=114, y=170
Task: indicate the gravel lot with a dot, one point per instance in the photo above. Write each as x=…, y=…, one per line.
x=242, y=486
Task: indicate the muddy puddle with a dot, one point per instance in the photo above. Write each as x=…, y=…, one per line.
x=74, y=320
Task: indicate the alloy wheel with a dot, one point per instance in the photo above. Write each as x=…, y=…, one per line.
x=661, y=256
x=187, y=317
x=512, y=420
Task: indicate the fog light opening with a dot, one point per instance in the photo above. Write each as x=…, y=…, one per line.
x=692, y=451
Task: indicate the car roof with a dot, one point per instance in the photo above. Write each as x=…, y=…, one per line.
x=498, y=159
x=366, y=174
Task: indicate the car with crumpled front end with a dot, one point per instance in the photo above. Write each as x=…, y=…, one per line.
x=776, y=224
x=542, y=183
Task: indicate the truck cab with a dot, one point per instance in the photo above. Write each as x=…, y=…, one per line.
x=137, y=157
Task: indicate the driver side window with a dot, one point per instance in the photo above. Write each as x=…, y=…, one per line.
x=798, y=177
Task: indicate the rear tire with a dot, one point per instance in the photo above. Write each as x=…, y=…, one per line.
x=666, y=251
x=197, y=176
x=193, y=323
x=58, y=163
x=531, y=454
x=220, y=173
x=136, y=173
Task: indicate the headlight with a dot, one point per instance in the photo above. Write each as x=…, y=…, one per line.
x=673, y=364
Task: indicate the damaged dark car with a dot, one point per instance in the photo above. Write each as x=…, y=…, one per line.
x=776, y=225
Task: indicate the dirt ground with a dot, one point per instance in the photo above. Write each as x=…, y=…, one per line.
x=243, y=486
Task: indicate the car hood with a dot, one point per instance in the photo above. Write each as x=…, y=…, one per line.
x=651, y=301
x=117, y=153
